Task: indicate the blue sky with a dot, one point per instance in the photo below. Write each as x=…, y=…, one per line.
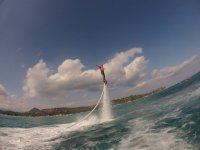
x=168, y=32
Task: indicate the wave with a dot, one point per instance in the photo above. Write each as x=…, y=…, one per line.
x=41, y=137
x=144, y=136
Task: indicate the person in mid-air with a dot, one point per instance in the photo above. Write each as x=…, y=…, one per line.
x=101, y=68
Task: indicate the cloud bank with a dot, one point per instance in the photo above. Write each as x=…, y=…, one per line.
x=124, y=69
x=168, y=76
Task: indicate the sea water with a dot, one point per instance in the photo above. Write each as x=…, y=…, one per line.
x=163, y=121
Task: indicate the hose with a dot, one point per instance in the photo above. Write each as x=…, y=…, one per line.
x=89, y=112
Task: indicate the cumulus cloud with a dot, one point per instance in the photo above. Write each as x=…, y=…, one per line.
x=125, y=72
x=124, y=69
x=169, y=76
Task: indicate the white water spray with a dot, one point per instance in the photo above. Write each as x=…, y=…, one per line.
x=106, y=113
x=106, y=107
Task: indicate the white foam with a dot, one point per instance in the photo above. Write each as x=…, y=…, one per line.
x=143, y=137
x=40, y=137
x=196, y=92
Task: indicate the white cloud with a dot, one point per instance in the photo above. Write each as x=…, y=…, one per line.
x=169, y=76
x=3, y=91
x=8, y=101
x=124, y=69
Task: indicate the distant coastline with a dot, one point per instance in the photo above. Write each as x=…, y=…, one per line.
x=72, y=110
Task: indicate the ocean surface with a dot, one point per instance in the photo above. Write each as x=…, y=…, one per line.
x=169, y=120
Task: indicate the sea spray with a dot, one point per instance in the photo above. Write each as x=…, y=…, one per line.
x=106, y=107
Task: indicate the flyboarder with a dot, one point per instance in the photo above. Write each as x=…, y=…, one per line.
x=101, y=68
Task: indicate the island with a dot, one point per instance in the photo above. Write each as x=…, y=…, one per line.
x=70, y=110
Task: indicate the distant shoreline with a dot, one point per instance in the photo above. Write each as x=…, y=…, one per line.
x=71, y=110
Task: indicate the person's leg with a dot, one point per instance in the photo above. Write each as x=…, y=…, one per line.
x=103, y=74
x=104, y=78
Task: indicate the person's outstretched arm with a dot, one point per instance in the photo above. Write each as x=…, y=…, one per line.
x=98, y=66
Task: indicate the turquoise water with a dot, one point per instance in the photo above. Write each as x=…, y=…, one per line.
x=167, y=120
